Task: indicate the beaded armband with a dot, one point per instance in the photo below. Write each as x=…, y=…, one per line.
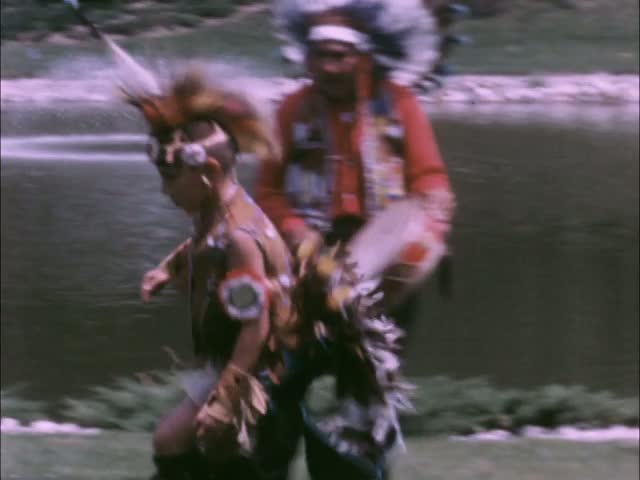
x=244, y=295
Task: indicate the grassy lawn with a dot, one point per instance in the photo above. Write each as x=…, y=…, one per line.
x=531, y=37
x=245, y=40
x=122, y=456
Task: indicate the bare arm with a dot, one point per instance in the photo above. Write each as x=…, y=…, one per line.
x=172, y=268
x=175, y=263
x=244, y=297
x=246, y=259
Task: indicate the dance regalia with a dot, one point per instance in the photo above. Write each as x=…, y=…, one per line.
x=342, y=172
x=223, y=299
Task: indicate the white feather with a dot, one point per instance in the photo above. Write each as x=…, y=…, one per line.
x=133, y=77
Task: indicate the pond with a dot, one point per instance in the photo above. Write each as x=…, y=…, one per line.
x=545, y=250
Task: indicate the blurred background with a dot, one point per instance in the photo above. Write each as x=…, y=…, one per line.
x=545, y=241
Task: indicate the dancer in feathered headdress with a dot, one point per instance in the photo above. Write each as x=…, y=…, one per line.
x=235, y=270
x=412, y=38
x=402, y=35
x=355, y=142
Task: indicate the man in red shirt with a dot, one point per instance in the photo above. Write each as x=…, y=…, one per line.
x=354, y=141
x=422, y=168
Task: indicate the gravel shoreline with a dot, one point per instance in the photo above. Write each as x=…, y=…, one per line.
x=603, y=88
x=462, y=90
x=614, y=433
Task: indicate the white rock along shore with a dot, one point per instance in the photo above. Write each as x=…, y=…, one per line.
x=591, y=89
x=614, y=433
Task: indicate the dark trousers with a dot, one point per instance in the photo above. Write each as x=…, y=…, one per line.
x=325, y=463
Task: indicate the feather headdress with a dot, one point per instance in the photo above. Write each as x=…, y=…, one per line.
x=192, y=99
x=401, y=34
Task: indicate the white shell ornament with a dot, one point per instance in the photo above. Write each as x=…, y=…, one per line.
x=193, y=154
x=243, y=298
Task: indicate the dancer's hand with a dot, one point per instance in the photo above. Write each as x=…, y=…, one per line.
x=306, y=248
x=205, y=423
x=216, y=439
x=218, y=410
x=152, y=282
x=301, y=235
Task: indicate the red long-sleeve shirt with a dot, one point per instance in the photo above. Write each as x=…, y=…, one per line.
x=424, y=169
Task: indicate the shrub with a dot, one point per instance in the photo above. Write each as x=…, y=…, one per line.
x=131, y=404
x=15, y=406
x=442, y=405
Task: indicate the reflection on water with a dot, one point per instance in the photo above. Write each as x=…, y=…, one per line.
x=85, y=148
x=545, y=243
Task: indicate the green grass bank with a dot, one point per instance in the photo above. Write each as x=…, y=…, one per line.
x=126, y=456
x=529, y=37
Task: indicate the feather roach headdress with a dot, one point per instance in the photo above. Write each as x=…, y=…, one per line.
x=401, y=34
x=191, y=116
x=194, y=116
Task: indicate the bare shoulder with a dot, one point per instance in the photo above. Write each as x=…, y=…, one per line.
x=244, y=251
x=292, y=100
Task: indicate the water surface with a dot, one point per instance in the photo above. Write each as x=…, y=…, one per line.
x=545, y=244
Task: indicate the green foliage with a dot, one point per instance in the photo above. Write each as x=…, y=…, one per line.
x=442, y=405
x=446, y=406
x=131, y=404
x=217, y=9
x=534, y=36
x=528, y=37
x=32, y=20
x=173, y=19
x=573, y=405
x=14, y=404
x=115, y=27
x=214, y=10
x=99, y=3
